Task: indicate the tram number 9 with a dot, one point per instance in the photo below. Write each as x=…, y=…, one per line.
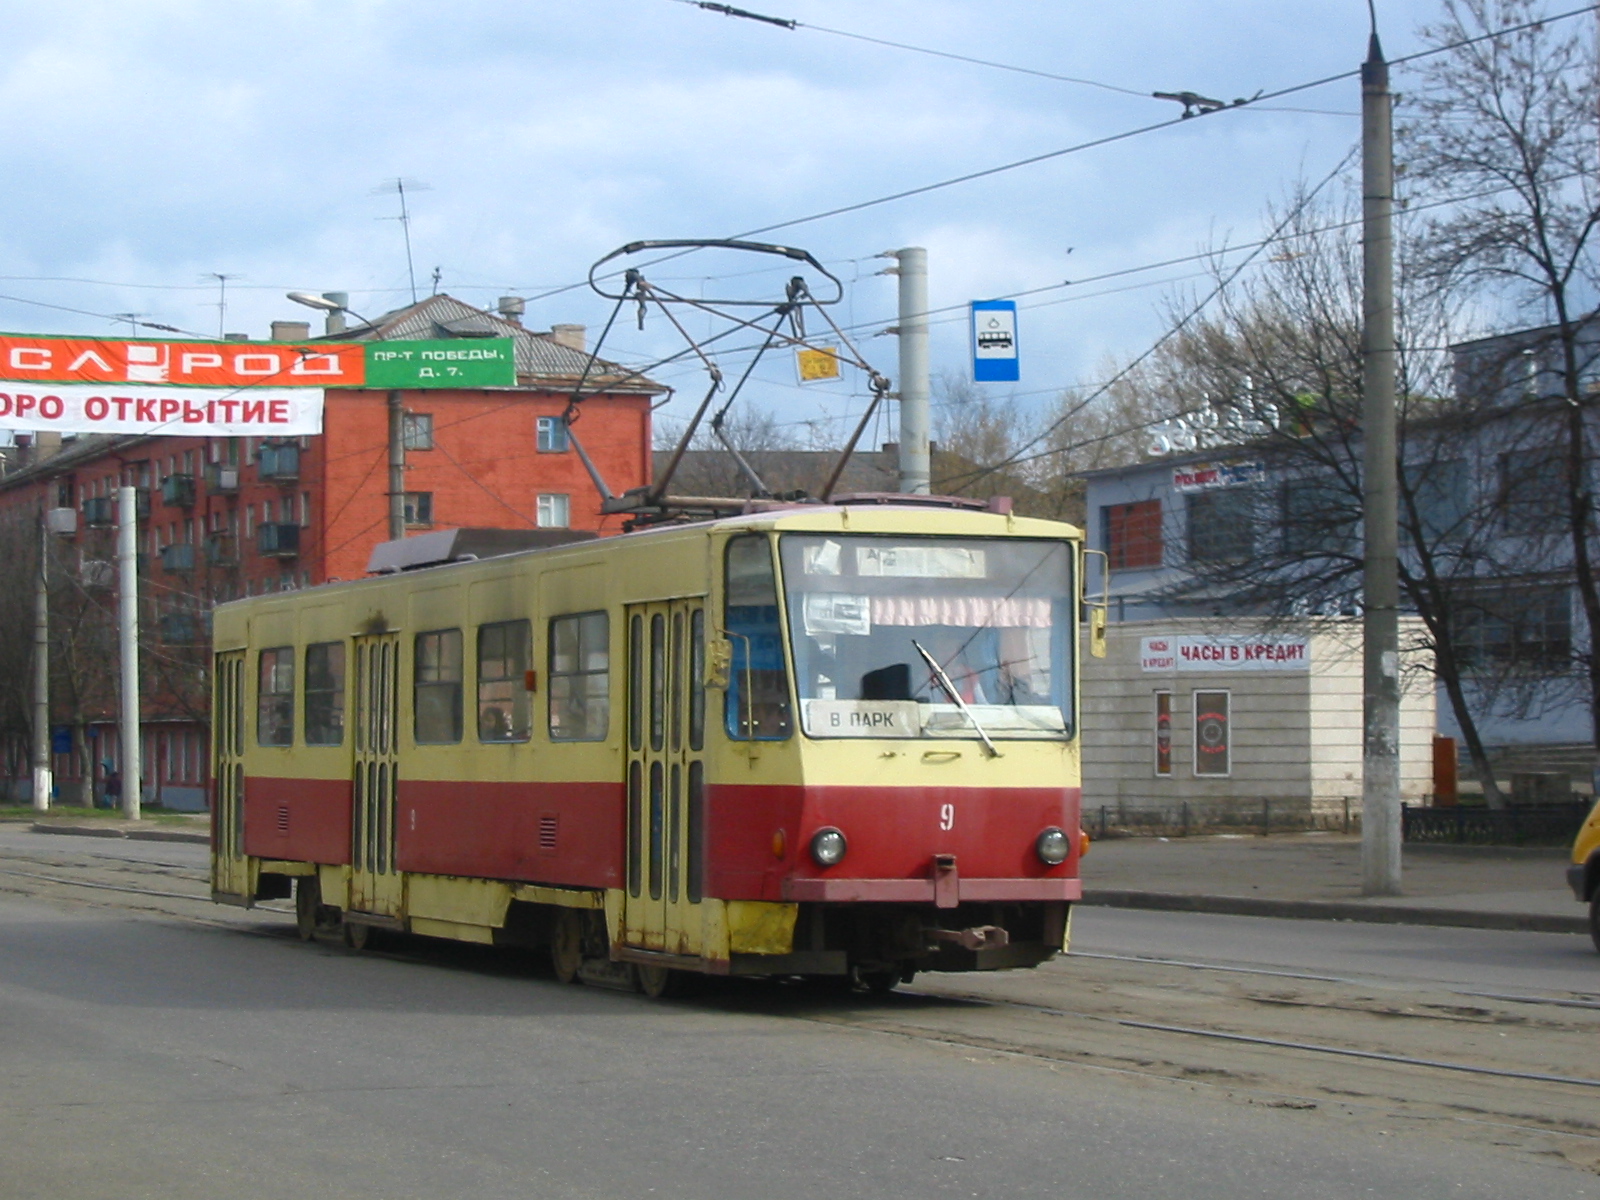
x=947, y=816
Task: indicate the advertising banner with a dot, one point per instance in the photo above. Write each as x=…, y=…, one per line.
x=223, y=389
x=1200, y=477
x=1238, y=653
x=215, y=412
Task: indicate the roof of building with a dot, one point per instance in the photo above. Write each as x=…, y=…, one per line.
x=540, y=357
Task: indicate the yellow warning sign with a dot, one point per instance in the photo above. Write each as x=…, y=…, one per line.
x=817, y=365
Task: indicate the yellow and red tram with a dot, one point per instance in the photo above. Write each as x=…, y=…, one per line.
x=831, y=740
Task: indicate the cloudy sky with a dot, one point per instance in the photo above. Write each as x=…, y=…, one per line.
x=151, y=145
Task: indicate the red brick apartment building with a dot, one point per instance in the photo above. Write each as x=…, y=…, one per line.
x=221, y=518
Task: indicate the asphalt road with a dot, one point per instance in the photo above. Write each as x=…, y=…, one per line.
x=149, y=1057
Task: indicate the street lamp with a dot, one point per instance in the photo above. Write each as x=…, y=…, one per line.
x=397, y=416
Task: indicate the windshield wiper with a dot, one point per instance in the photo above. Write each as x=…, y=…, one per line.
x=950, y=690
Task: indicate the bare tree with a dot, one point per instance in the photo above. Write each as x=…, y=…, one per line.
x=1512, y=121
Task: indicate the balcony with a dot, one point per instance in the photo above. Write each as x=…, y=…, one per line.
x=278, y=540
x=178, y=557
x=178, y=490
x=278, y=463
x=221, y=550
x=99, y=512
x=221, y=478
x=185, y=628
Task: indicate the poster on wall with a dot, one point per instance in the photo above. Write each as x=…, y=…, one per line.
x=1163, y=733
x=1229, y=653
x=1211, y=752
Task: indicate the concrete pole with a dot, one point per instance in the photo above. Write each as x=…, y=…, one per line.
x=916, y=470
x=1380, y=778
x=397, y=468
x=43, y=778
x=128, y=628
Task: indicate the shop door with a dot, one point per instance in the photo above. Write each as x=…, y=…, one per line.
x=375, y=885
x=666, y=776
x=230, y=872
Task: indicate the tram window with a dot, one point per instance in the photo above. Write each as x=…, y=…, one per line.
x=757, y=697
x=697, y=679
x=580, y=677
x=505, y=709
x=636, y=683
x=275, y=698
x=658, y=681
x=437, y=682
x=697, y=825
x=325, y=694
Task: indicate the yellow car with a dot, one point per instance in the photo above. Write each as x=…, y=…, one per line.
x=1584, y=873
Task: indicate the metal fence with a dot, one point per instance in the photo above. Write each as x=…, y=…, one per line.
x=1193, y=819
x=1515, y=825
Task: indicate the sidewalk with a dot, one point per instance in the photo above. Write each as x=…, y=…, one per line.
x=1319, y=877
x=167, y=827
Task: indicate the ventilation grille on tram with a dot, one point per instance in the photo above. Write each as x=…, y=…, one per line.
x=549, y=824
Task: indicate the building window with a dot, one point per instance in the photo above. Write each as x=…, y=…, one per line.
x=580, y=677
x=325, y=694
x=1319, y=517
x=1211, y=734
x=504, y=660
x=418, y=433
x=552, y=435
x=1533, y=489
x=1221, y=525
x=419, y=509
x=1525, y=629
x=1131, y=534
x=305, y=510
x=554, y=511
x=275, y=698
x=1163, y=734
x=1439, y=492
x=437, y=682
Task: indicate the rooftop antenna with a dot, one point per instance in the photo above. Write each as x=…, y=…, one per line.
x=438, y=274
x=222, y=298
x=399, y=187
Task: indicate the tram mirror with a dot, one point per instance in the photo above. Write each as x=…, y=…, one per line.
x=1097, y=632
x=719, y=660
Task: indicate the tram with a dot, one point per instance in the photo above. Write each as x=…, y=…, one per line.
x=832, y=740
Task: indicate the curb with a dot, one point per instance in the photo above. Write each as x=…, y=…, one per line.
x=1337, y=910
x=132, y=835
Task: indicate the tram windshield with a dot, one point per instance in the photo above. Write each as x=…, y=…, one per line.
x=866, y=613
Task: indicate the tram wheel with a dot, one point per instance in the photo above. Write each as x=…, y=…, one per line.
x=307, y=900
x=881, y=983
x=357, y=936
x=566, y=945
x=655, y=981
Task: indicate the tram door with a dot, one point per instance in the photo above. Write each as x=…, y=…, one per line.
x=375, y=885
x=230, y=873
x=666, y=776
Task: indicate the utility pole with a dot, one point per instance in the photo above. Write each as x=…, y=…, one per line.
x=43, y=781
x=128, y=628
x=1380, y=710
x=915, y=468
x=397, y=468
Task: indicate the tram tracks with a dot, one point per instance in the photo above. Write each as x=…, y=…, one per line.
x=1372, y=1050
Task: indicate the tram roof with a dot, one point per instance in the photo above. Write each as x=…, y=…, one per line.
x=876, y=517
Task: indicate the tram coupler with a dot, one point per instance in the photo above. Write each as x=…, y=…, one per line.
x=979, y=937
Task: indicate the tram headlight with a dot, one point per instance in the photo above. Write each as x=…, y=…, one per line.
x=1052, y=847
x=828, y=847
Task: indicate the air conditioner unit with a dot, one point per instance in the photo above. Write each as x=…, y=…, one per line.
x=62, y=521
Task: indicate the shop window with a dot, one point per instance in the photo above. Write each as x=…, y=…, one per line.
x=1212, y=749
x=1163, y=734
